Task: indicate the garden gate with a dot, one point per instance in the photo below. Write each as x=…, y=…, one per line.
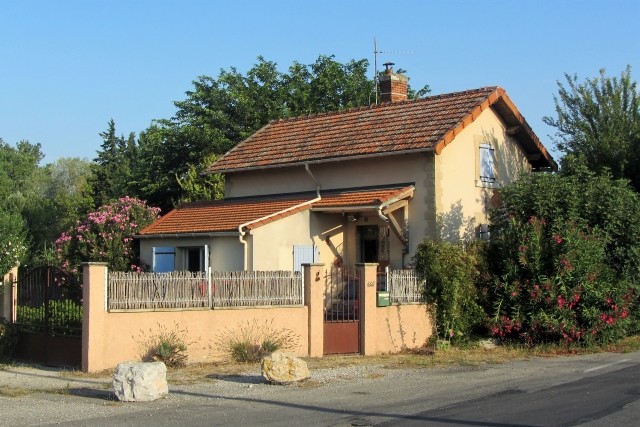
x=341, y=311
x=48, y=315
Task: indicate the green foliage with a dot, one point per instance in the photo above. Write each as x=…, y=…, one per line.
x=196, y=187
x=598, y=124
x=584, y=199
x=111, y=170
x=106, y=235
x=555, y=285
x=65, y=317
x=12, y=238
x=220, y=112
x=165, y=345
x=564, y=260
x=252, y=341
x=8, y=339
x=450, y=271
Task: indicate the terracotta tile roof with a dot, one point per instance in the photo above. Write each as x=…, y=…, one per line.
x=227, y=215
x=356, y=199
x=418, y=125
x=218, y=216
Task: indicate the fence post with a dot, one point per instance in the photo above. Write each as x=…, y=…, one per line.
x=314, y=299
x=368, y=315
x=9, y=295
x=93, y=315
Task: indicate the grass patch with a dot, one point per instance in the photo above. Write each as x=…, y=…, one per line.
x=13, y=391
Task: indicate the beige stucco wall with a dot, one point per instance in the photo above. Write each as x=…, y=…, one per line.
x=415, y=169
x=225, y=252
x=272, y=244
x=461, y=200
x=402, y=327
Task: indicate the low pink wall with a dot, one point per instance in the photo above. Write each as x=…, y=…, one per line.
x=401, y=327
x=125, y=333
x=109, y=338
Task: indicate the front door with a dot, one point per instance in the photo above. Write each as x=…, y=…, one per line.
x=367, y=238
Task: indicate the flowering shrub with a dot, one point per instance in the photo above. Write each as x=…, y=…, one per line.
x=555, y=285
x=12, y=247
x=107, y=236
x=10, y=255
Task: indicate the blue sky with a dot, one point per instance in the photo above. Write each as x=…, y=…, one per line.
x=68, y=66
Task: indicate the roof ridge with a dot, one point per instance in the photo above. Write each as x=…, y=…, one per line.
x=382, y=105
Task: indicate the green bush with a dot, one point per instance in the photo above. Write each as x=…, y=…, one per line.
x=450, y=272
x=165, y=345
x=8, y=339
x=564, y=260
x=65, y=317
x=252, y=341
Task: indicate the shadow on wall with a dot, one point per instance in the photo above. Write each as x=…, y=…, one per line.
x=453, y=226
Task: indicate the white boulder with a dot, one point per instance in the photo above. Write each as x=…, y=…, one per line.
x=140, y=381
x=284, y=368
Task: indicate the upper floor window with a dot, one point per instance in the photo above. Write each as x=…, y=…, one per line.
x=487, y=163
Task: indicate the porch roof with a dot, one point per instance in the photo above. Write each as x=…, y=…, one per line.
x=224, y=216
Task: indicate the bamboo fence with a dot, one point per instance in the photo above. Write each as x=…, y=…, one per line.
x=257, y=288
x=186, y=290
x=144, y=291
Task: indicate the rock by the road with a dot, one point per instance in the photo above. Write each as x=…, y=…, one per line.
x=284, y=368
x=140, y=381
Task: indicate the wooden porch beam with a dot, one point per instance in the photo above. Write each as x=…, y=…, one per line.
x=395, y=206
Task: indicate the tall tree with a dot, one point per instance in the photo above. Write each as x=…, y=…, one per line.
x=21, y=180
x=112, y=168
x=598, y=124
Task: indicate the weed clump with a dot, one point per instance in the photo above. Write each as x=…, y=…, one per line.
x=251, y=341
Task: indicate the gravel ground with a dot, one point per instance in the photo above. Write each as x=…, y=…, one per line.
x=37, y=395
x=46, y=396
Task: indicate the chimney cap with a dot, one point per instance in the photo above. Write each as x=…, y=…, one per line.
x=388, y=67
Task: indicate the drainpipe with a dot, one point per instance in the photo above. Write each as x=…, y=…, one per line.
x=309, y=202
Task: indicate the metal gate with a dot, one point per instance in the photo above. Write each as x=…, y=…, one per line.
x=341, y=311
x=48, y=314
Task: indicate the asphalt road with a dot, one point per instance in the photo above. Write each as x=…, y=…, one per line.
x=593, y=390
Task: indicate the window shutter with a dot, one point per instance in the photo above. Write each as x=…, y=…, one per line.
x=303, y=254
x=487, y=163
x=164, y=258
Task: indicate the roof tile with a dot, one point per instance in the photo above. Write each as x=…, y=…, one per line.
x=227, y=215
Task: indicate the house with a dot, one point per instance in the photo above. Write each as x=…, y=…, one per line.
x=361, y=185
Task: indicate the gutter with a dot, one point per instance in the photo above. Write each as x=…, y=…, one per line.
x=178, y=235
x=245, y=244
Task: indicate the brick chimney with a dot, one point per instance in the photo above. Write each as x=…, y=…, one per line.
x=393, y=87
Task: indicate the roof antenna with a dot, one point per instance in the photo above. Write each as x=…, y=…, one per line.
x=375, y=62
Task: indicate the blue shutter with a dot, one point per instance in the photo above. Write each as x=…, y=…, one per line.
x=164, y=259
x=304, y=255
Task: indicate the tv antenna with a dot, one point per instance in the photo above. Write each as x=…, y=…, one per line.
x=375, y=61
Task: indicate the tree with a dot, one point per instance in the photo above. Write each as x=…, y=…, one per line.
x=598, y=124
x=64, y=199
x=111, y=171
x=21, y=183
x=219, y=113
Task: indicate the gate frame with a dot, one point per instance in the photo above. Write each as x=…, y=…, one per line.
x=47, y=347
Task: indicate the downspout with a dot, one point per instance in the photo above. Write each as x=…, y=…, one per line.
x=241, y=227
